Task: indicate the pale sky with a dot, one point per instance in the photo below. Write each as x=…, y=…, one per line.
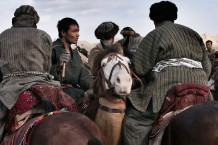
x=200, y=15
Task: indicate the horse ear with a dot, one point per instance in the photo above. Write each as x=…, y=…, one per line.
x=126, y=59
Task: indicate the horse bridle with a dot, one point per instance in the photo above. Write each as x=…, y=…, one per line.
x=108, y=81
x=110, y=85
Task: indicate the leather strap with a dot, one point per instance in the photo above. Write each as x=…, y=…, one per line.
x=112, y=110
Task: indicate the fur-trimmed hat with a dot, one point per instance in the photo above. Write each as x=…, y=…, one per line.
x=106, y=30
x=25, y=13
x=163, y=11
x=127, y=31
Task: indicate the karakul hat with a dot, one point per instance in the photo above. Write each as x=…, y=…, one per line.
x=106, y=30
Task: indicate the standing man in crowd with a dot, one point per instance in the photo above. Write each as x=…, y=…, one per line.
x=210, y=50
x=211, y=55
x=156, y=61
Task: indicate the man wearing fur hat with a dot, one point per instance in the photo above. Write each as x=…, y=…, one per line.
x=155, y=60
x=130, y=41
x=25, y=58
x=106, y=32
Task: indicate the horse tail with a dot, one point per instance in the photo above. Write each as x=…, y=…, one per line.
x=94, y=141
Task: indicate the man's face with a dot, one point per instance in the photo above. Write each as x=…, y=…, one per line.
x=208, y=45
x=72, y=34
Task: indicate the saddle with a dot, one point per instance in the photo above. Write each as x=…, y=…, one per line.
x=177, y=99
x=37, y=100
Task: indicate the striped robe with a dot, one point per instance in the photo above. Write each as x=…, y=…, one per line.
x=166, y=42
x=25, y=51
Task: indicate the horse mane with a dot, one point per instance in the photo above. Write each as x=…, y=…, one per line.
x=92, y=109
x=98, y=84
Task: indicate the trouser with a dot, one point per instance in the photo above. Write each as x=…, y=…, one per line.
x=137, y=125
x=3, y=112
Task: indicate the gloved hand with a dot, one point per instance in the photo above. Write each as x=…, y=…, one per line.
x=84, y=58
x=65, y=57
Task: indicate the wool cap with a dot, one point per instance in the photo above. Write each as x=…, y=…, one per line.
x=106, y=30
x=127, y=31
x=27, y=11
x=163, y=11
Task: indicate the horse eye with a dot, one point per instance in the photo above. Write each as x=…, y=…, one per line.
x=118, y=80
x=103, y=65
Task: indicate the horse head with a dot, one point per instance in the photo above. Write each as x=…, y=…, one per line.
x=116, y=73
x=111, y=73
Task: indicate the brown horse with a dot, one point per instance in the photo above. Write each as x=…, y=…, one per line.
x=195, y=126
x=112, y=83
x=68, y=128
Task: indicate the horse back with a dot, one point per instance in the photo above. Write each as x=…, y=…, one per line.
x=196, y=126
x=67, y=129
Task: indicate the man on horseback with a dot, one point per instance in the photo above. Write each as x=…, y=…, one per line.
x=106, y=32
x=67, y=66
x=168, y=55
x=25, y=59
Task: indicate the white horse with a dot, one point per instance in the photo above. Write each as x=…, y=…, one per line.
x=115, y=68
x=113, y=83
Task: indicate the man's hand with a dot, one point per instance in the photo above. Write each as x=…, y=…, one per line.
x=65, y=57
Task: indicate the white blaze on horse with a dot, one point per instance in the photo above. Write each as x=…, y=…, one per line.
x=116, y=73
x=112, y=84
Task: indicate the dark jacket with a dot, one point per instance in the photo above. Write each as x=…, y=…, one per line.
x=75, y=74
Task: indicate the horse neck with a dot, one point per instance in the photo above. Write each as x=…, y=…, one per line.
x=111, y=123
x=112, y=102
